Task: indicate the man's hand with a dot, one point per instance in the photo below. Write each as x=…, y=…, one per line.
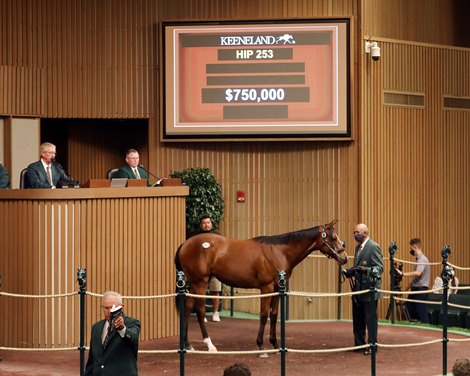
x=399, y=272
x=361, y=269
x=119, y=323
x=349, y=273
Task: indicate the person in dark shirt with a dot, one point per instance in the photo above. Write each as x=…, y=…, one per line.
x=4, y=177
x=215, y=286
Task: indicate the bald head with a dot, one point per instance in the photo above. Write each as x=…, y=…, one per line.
x=361, y=227
x=361, y=233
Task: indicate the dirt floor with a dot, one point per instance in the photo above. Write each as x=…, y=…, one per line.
x=239, y=335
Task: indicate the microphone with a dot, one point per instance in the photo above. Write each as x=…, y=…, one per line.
x=63, y=169
x=69, y=183
x=148, y=172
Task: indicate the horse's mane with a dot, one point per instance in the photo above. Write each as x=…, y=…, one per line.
x=288, y=237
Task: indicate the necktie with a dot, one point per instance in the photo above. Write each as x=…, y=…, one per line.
x=108, y=336
x=359, y=252
x=136, y=173
x=49, y=176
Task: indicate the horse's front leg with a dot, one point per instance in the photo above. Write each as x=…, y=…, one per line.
x=263, y=318
x=201, y=314
x=273, y=321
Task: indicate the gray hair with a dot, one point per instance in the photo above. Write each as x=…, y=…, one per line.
x=115, y=294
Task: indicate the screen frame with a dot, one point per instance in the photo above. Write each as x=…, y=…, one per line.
x=168, y=96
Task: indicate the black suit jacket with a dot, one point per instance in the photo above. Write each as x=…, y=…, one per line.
x=371, y=256
x=120, y=355
x=4, y=177
x=36, y=176
x=126, y=172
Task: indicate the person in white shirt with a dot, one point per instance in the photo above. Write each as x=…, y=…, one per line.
x=453, y=284
x=45, y=173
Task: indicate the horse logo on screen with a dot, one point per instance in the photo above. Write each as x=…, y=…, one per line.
x=253, y=263
x=286, y=38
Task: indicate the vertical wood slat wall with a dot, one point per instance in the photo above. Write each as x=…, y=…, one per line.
x=99, y=59
x=126, y=244
x=415, y=161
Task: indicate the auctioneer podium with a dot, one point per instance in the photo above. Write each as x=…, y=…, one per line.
x=126, y=238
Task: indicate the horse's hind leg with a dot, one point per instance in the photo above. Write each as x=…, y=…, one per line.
x=263, y=318
x=201, y=314
x=273, y=321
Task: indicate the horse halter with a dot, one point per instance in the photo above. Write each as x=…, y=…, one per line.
x=335, y=251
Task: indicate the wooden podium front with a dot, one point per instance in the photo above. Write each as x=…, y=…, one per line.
x=97, y=183
x=126, y=238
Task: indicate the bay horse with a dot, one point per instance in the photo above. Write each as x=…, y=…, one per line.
x=252, y=263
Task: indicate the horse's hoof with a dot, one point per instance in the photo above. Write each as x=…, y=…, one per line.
x=264, y=355
x=210, y=346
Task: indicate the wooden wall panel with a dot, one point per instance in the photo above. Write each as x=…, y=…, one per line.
x=424, y=21
x=125, y=239
x=21, y=91
x=100, y=59
x=414, y=161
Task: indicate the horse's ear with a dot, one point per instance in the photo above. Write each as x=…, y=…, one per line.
x=332, y=223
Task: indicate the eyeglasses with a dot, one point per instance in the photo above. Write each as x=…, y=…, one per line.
x=50, y=152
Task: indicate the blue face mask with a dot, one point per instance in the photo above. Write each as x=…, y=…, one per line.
x=359, y=237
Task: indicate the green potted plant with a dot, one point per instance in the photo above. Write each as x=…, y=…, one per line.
x=205, y=197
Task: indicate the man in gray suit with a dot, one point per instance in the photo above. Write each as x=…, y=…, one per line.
x=368, y=261
x=114, y=341
x=46, y=172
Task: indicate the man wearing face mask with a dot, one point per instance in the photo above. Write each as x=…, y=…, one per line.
x=420, y=282
x=368, y=260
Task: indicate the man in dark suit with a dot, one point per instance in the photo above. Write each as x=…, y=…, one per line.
x=45, y=173
x=4, y=177
x=114, y=341
x=368, y=262
x=132, y=169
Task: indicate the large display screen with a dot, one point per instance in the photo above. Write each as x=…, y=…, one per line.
x=263, y=80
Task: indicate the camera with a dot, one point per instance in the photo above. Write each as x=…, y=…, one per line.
x=375, y=53
x=115, y=312
x=373, y=49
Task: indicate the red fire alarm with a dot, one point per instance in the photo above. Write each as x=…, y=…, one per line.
x=241, y=196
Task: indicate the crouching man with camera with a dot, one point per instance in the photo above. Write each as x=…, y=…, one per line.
x=368, y=266
x=114, y=341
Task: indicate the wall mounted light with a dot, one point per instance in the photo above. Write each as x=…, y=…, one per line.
x=373, y=49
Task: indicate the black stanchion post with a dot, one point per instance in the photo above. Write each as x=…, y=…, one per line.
x=340, y=276
x=374, y=275
x=181, y=291
x=232, y=293
x=81, y=279
x=282, y=297
x=287, y=302
x=391, y=250
x=446, y=275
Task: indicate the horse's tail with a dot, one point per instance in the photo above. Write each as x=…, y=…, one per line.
x=179, y=269
x=177, y=259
